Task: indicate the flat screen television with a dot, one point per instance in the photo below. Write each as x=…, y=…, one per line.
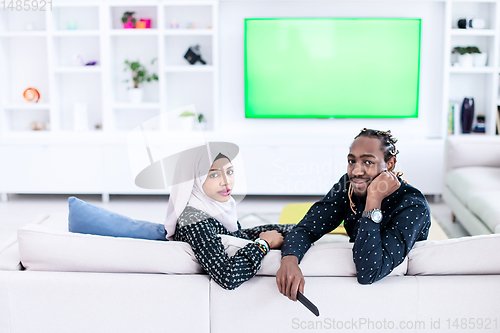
x=332, y=67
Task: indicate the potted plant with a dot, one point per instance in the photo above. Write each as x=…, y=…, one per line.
x=470, y=56
x=202, y=121
x=186, y=120
x=139, y=75
x=464, y=57
x=479, y=58
x=128, y=20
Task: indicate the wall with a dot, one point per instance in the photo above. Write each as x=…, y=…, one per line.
x=232, y=115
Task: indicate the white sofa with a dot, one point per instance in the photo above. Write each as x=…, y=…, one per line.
x=85, y=283
x=472, y=182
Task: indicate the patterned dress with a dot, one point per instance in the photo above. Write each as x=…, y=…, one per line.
x=201, y=231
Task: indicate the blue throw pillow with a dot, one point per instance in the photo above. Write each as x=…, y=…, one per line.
x=85, y=218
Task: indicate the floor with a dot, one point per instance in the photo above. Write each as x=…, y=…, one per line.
x=252, y=210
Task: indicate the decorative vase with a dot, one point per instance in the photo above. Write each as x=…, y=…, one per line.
x=78, y=60
x=467, y=115
x=129, y=24
x=148, y=23
x=135, y=95
x=465, y=60
x=186, y=123
x=480, y=59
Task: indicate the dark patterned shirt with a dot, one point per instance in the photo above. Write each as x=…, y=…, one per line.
x=201, y=232
x=378, y=247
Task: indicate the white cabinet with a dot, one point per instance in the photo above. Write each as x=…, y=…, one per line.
x=40, y=168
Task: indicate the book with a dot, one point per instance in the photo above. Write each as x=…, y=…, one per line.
x=454, y=118
x=450, y=119
x=498, y=120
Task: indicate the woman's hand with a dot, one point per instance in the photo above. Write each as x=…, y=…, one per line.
x=273, y=238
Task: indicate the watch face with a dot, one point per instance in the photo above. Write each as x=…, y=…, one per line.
x=376, y=216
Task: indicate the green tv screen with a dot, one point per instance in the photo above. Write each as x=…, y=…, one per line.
x=332, y=67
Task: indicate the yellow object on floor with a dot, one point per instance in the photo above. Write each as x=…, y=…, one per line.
x=435, y=231
x=293, y=213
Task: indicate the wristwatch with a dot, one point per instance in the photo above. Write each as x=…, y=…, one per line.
x=375, y=215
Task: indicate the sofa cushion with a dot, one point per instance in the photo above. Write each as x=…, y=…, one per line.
x=464, y=182
x=86, y=218
x=466, y=255
x=45, y=249
x=326, y=259
x=485, y=205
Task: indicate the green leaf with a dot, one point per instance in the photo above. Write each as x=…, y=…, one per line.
x=139, y=72
x=187, y=114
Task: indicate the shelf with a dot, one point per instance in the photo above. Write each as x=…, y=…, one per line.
x=473, y=32
x=472, y=70
x=40, y=33
x=27, y=133
x=71, y=33
x=129, y=106
x=188, y=32
x=476, y=1
x=27, y=106
x=133, y=32
x=185, y=4
x=74, y=4
x=189, y=69
x=81, y=69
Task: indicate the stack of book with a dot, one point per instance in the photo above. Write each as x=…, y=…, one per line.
x=454, y=118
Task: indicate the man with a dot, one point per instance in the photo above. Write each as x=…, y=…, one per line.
x=383, y=215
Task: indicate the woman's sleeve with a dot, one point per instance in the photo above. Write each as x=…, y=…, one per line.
x=253, y=233
x=228, y=272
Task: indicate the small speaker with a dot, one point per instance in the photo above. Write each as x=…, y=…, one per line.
x=471, y=23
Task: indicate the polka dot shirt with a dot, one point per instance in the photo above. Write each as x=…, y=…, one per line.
x=201, y=232
x=378, y=247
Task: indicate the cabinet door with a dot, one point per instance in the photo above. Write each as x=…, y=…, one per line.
x=291, y=169
x=118, y=175
x=51, y=169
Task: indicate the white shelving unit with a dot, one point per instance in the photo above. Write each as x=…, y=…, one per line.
x=46, y=53
x=481, y=83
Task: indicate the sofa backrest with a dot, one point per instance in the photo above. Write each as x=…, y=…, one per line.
x=472, y=150
x=48, y=247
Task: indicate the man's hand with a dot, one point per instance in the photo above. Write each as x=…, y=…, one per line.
x=289, y=277
x=273, y=238
x=380, y=188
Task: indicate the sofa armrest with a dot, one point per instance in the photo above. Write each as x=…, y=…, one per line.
x=10, y=258
x=472, y=150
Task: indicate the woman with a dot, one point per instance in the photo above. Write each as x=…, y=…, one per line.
x=201, y=208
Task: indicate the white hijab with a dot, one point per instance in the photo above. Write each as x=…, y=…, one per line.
x=190, y=193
